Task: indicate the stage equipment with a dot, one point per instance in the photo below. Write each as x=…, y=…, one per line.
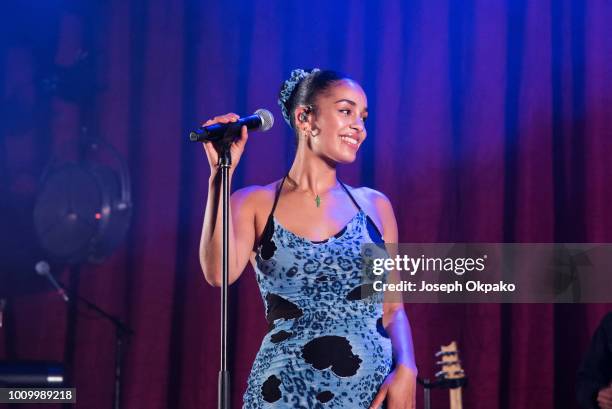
x=261, y=120
x=122, y=331
x=83, y=209
x=43, y=269
x=451, y=376
x=223, y=136
x=31, y=374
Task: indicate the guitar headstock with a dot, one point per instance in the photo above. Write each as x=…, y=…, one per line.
x=450, y=365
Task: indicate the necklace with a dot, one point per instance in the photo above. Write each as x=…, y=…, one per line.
x=317, y=198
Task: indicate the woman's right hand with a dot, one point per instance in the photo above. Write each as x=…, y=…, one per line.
x=236, y=148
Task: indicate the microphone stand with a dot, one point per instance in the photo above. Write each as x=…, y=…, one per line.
x=122, y=331
x=224, y=164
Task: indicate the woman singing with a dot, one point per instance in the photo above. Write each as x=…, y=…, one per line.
x=328, y=346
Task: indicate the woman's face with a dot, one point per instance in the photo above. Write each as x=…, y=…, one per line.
x=339, y=119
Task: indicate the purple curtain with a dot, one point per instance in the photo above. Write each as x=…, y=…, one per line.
x=490, y=122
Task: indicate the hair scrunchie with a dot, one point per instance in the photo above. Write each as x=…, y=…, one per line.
x=289, y=85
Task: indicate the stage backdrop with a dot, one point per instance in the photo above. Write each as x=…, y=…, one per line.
x=490, y=122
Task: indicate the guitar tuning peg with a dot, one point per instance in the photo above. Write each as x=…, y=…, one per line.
x=445, y=353
x=442, y=374
x=448, y=363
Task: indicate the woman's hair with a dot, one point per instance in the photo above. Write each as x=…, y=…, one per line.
x=302, y=89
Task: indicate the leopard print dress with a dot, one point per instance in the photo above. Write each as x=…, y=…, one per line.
x=326, y=346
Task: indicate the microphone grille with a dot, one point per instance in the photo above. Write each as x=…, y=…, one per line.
x=42, y=267
x=267, y=119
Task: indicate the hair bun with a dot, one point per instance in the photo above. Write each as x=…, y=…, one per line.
x=289, y=86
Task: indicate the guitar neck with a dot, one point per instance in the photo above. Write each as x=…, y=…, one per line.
x=455, y=398
x=451, y=372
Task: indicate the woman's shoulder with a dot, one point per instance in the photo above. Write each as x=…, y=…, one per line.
x=372, y=197
x=376, y=205
x=254, y=196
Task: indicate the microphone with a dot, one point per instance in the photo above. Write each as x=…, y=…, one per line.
x=42, y=268
x=261, y=120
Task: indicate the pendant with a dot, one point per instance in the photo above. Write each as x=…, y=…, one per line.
x=318, y=200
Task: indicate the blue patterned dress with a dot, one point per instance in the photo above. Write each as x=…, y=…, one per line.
x=326, y=347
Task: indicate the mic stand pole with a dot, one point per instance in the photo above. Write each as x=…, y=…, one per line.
x=121, y=333
x=225, y=161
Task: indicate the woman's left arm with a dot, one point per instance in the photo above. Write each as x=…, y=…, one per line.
x=399, y=388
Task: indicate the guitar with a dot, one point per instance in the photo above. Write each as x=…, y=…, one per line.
x=451, y=375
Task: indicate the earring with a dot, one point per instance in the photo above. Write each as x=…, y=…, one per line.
x=302, y=117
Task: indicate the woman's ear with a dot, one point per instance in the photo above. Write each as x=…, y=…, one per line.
x=301, y=119
x=304, y=120
x=301, y=115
